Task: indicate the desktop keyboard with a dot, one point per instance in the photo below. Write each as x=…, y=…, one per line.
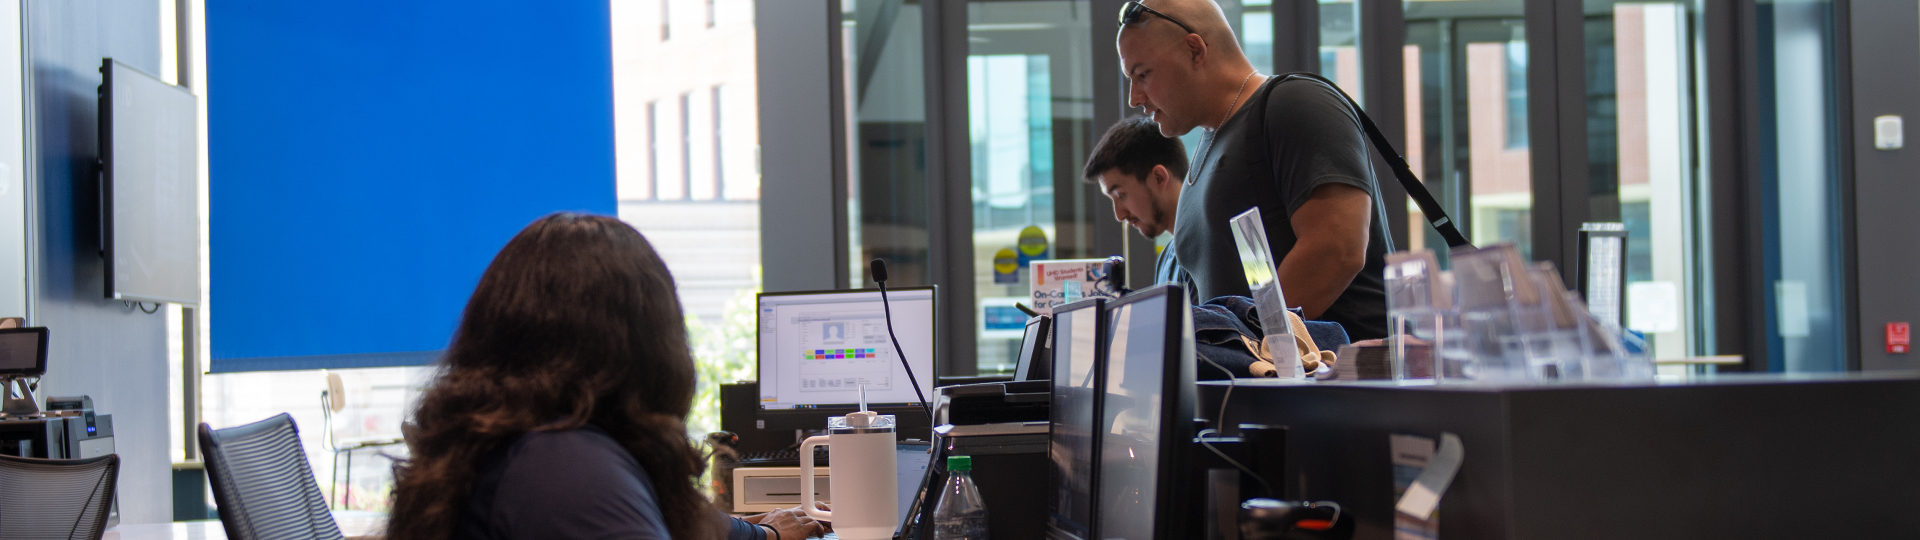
x=789, y=457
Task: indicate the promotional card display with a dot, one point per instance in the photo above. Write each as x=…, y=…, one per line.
x=1419, y=299
x=1263, y=279
x=1499, y=310
x=1060, y=282
x=1497, y=318
x=1562, y=348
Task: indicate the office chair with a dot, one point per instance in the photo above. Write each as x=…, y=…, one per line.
x=263, y=484
x=332, y=401
x=56, y=498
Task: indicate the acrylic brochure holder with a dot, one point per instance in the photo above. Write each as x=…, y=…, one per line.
x=1419, y=304
x=1263, y=280
x=1518, y=322
x=1559, y=350
x=1498, y=309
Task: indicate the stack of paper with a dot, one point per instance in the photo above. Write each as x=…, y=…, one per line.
x=1364, y=361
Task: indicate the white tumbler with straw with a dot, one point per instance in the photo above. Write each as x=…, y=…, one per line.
x=866, y=504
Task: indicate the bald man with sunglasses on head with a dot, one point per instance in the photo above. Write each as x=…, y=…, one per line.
x=1292, y=147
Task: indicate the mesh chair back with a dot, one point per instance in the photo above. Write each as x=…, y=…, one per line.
x=263, y=484
x=56, y=498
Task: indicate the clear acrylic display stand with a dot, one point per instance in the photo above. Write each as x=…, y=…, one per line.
x=1263, y=279
x=1558, y=349
x=1419, y=308
x=1498, y=310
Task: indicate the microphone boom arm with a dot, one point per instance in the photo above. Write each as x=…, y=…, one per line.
x=879, y=270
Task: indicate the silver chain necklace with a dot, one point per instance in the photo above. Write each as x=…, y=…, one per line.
x=1194, y=173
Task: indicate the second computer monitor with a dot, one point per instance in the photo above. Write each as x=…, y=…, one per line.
x=23, y=351
x=1077, y=339
x=818, y=349
x=1035, y=362
x=1146, y=417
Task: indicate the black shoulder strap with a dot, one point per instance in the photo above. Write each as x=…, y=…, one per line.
x=1435, y=215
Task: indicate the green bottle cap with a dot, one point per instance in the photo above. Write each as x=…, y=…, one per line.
x=959, y=463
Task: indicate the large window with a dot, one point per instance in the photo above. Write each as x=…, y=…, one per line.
x=1256, y=33
x=886, y=107
x=1468, y=136
x=1340, y=45
x=377, y=401
x=1800, y=178
x=1022, y=94
x=1641, y=166
x=685, y=137
x=1030, y=126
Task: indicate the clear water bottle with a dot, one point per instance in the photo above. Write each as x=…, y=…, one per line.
x=960, y=514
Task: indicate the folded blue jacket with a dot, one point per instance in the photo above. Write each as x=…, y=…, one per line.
x=1227, y=330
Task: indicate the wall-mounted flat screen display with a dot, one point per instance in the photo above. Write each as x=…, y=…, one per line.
x=149, y=182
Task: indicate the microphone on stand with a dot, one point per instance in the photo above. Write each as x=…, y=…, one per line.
x=878, y=269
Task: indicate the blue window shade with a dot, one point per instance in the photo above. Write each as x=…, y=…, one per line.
x=367, y=159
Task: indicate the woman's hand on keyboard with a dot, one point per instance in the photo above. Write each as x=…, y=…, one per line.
x=793, y=523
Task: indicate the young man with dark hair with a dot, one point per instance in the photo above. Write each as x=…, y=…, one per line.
x=1140, y=171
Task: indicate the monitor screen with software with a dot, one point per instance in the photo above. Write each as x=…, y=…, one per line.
x=1146, y=417
x=817, y=349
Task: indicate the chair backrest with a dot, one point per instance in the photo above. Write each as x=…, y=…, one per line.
x=56, y=498
x=263, y=484
x=336, y=393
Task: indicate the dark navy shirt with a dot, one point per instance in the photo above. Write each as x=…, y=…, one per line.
x=572, y=484
x=1312, y=139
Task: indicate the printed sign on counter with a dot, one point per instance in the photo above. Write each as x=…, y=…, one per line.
x=1061, y=282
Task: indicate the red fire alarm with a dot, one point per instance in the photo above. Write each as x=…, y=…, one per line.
x=1897, y=338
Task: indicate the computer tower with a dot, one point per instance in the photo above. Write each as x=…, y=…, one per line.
x=1007, y=459
x=739, y=414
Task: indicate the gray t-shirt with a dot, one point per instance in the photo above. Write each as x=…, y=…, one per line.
x=1312, y=138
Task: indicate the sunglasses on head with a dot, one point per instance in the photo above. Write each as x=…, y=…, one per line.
x=1131, y=12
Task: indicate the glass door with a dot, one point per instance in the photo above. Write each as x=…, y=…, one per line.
x=1640, y=161
x=1800, y=184
x=1467, y=125
x=1029, y=95
x=881, y=44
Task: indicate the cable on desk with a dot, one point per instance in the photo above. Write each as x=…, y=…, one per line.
x=1220, y=423
x=1202, y=437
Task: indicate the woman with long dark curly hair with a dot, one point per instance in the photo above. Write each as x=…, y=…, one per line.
x=559, y=409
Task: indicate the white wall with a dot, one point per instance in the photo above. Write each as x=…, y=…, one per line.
x=99, y=347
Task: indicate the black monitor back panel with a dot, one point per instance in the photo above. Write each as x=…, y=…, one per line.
x=1073, y=432
x=766, y=431
x=1035, y=362
x=1147, y=420
x=739, y=404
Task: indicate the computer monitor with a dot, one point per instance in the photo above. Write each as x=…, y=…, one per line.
x=817, y=349
x=1147, y=418
x=1035, y=360
x=23, y=352
x=1080, y=330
